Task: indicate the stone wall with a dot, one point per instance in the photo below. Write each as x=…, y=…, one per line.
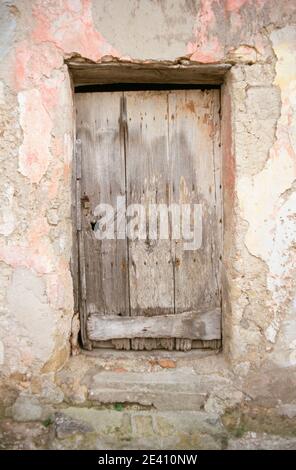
x=258, y=38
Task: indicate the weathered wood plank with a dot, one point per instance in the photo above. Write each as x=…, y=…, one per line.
x=217, y=165
x=78, y=274
x=190, y=325
x=194, y=129
x=106, y=73
x=75, y=227
x=148, y=163
x=211, y=344
x=102, y=181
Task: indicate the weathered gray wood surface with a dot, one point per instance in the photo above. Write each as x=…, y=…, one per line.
x=193, y=131
x=102, y=180
x=79, y=285
x=150, y=147
x=148, y=179
x=191, y=325
x=106, y=73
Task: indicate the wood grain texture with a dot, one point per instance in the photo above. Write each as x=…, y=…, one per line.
x=193, y=127
x=148, y=179
x=79, y=241
x=103, y=180
x=151, y=147
x=202, y=325
x=108, y=73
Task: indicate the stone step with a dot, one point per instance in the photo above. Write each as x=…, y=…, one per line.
x=130, y=429
x=177, y=389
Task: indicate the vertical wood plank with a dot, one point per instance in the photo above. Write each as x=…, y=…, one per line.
x=103, y=180
x=81, y=290
x=194, y=137
x=74, y=254
x=148, y=173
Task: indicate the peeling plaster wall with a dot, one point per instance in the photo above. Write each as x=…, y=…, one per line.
x=258, y=37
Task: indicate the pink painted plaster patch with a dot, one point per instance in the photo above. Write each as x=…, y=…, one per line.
x=35, y=253
x=206, y=47
x=34, y=154
x=34, y=63
x=210, y=52
x=235, y=5
x=69, y=26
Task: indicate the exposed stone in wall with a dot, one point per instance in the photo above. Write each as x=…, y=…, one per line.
x=266, y=196
x=258, y=37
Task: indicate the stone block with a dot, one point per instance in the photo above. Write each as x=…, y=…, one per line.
x=66, y=426
x=26, y=408
x=143, y=425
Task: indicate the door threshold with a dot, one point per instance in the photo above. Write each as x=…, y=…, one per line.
x=155, y=354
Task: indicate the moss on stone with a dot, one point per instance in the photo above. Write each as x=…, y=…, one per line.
x=239, y=420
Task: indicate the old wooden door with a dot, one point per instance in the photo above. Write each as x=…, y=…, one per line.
x=149, y=150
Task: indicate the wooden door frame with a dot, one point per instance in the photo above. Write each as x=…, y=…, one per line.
x=86, y=74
